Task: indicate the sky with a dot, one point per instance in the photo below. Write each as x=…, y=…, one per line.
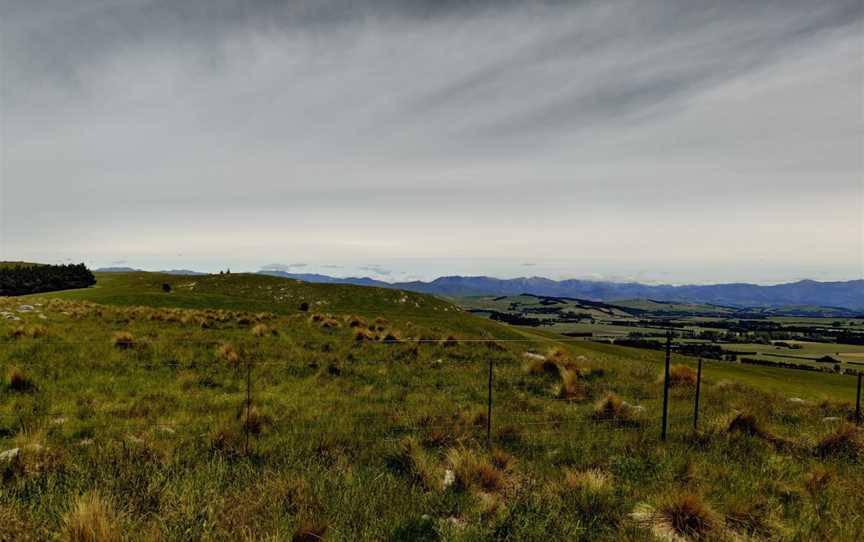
x=675, y=141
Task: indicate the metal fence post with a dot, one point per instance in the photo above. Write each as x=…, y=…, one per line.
x=696, y=403
x=489, y=409
x=666, y=384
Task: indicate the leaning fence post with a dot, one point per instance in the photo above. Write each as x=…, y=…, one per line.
x=696, y=403
x=858, y=402
x=489, y=409
x=666, y=383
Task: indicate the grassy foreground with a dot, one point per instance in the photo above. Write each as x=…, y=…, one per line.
x=130, y=423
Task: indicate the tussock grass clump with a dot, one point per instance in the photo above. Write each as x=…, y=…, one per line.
x=227, y=353
x=411, y=459
x=844, y=442
x=37, y=331
x=355, y=321
x=474, y=472
x=362, y=335
x=613, y=407
x=123, y=340
x=17, y=333
x=686, y=515
x=592, y=481
x=746, y=424
x=571, y=388
x=681, y=376
x=541, y=365
x=17, y=380
x=262, y=330
x=330, y=323
x=92, y=518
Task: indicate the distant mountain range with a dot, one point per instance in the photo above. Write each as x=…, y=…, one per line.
x=188, y=272
x=845, y=294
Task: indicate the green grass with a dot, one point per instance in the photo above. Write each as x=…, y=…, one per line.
x=352, y=440
x=261, y=293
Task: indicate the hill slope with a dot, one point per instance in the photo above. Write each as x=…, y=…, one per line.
x=260, y=293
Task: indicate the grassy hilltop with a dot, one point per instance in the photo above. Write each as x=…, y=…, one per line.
x=126, y=408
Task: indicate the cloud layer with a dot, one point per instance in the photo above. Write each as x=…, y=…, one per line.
x=707, y=139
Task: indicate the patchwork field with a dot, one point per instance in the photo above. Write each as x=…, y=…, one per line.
x=132, y=419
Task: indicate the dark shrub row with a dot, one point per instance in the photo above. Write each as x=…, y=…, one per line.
x=32, y=279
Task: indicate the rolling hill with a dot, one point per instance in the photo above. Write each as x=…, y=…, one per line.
x=809, y=293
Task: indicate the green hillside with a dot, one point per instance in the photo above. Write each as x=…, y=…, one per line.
x=261, y=293
x=221, y=411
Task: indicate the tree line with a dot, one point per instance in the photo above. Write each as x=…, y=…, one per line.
x=33, y=279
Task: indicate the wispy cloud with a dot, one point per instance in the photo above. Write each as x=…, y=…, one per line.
x=374, y=130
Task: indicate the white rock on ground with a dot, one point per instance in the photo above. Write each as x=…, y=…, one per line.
x=449, y=478
x=9, y=455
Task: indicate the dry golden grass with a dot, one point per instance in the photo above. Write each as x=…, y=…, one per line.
x=473, y=472
x=571, y=387
x=227, y=353
x=687, y=515
x=355, y=321
x=682, y=376
x=260, y=330
x=92, y=518
x=593, y=481
x=613, y=407
x=123, y=340
x=362, y=335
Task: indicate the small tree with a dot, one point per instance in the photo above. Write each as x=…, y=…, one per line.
x=166, y=287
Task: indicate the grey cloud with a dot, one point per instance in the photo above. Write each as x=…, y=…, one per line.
x=282, y=267
x=355, y=131
x=377, y=269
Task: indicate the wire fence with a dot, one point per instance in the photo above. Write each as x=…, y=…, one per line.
x=394, y=425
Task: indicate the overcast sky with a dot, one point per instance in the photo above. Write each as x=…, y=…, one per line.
x=670, y=141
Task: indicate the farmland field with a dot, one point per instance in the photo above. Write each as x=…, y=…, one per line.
x=356, y=426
